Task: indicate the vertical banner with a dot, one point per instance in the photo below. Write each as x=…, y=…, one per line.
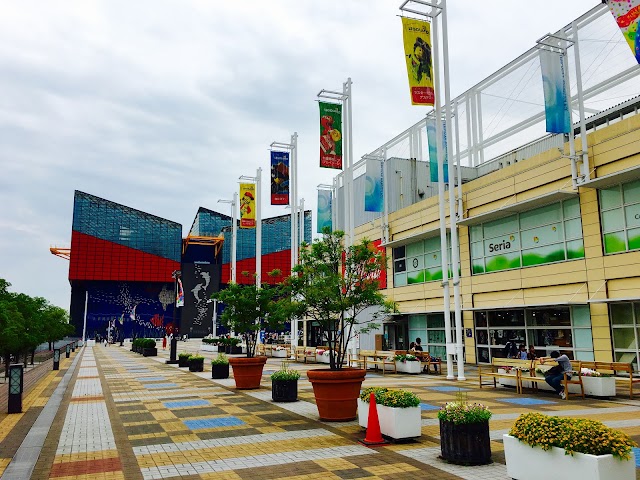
x=324, y=210
x=180, y=294
x=433, y=150
x=330, y=135
x=279, y=178
x=373, y=186
x=627, y=15
x=247, y=205
x=416, y=35
x=556, y=106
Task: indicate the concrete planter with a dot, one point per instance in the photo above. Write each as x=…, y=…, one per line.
x=532, y=463
x=396, y=423
x=409, y=367
x=209, y=348
x=593, y=386
x=279, y=354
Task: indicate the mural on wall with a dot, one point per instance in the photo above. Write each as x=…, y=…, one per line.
x=131, y=309
x=200, y=279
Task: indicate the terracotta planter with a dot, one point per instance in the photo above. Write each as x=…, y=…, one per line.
x=247, y=372
x=337, y=392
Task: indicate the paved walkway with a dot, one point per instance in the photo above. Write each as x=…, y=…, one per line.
x=125, y=416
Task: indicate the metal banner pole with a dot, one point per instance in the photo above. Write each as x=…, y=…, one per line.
x=84, y=325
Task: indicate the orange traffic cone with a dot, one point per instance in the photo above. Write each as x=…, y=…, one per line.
x=374, y=436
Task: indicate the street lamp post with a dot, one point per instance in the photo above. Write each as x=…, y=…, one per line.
x=173, y=348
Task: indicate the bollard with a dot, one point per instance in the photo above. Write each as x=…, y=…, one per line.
x=16, y=377
x=68, y=350
x=73, y=346
x=173, y=353
x=56, y=359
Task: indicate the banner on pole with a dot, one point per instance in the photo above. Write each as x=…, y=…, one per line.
x=324, y=210
x=247, y=205
x=416, y=35
x=279, y=178
x=556, y=105
x=180, y=294
x=330, y=135
x=627, y=15
x=433, y=150
x=373, y=186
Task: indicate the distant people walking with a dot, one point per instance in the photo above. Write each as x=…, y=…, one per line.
x=164, y=342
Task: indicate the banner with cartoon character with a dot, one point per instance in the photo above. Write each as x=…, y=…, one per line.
x=279, y=178
x=247, y=205
x=330, y=135
x=627, y=15
x=417, y=52
x=324, y=210
x=556, y=105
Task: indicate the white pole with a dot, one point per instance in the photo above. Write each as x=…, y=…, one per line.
x=349, y=163
x=215, y=317
x=452, y=200
x=234, y=237
x=293, y=200
x=258, y=229
x=84, y=326
x=385, y=197
x=584, y=168
x=441, y=202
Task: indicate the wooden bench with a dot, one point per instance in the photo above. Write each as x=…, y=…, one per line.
x=513, y=369
x=365, y=358
x=614, y=368
x=359, y=360
x=260, y=350
x=426, y=361
x=568, y=378
x=305, y=353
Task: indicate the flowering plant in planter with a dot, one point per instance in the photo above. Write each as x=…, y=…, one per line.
x=398, y=412
x=390, y=397
x=463, y=413
x=573, y=435
x=279, y=348
x=221, y=359
x=406, y=358
x=285, y=374
x=284, y=384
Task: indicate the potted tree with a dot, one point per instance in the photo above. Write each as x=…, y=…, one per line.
x=220, y=366
x=196, y=363
x=284, y=384
x=248, y=309
x=464, y=433
x=183, y=359
x=333, y=285
x=541, y=446
x=398, y=412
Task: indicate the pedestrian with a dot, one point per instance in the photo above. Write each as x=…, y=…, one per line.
x=555, y=374
x=164, y=342
x=523, y=352
x=531, y=355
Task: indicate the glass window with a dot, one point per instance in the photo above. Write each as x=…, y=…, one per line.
x=573, y=228
x=541, y=216
x=581, y=316
x=583, y=338
x=610, y=198
x=481, y=319
x=414, y=249
x=631, y=192
x=502, y=226
x=571, y=208
x=621, y=313
x=422, y=262
x=624, y=339
x=613, y=221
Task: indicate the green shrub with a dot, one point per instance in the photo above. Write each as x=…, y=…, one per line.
x=148, y=343
x=196, y=357
x=210, y=341
x=285, y=374
x=464, y=413
x=406, y=358
x=221, y=359
x=391, y=398
x=573, y=434
x=184, y=355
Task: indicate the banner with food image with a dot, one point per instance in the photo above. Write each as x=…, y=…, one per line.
x=416, y=35
x=627, y=15
x=279, y=178
x=330, y=135
x=247, y=205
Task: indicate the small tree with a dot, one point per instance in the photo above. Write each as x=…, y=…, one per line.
x=248, y=309
x=334, y=284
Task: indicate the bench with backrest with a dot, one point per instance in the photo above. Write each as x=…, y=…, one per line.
x=615, y=368
x=534, y=379
x=260, y=350
x=427, y=361
x=368, y=358
x=511, y=368
x=305, y=354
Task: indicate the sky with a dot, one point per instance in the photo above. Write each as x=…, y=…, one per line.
x=161, y=106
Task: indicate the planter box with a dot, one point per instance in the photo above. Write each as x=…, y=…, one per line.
x=532, y=463
x=183, y=362
x=219, y=371
x=150, y=352
x=279, y=354
x=409, y=367
x=323, y=359
x=209, y=348
x=593, y=386
x=196, y=365
x=465, y=444
x=284, y=390
x=397, y=423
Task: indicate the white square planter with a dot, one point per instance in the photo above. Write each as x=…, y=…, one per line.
x=532, y=463
x=598, y=386
x=409, y=367
x=323, y=358
x=279, y=354
x=205, y=347
x=397, y=423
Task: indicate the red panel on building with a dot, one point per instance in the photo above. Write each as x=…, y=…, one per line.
x=96, y=259
x=278, y=260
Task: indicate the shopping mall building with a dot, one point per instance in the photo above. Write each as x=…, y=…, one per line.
x=549, y=234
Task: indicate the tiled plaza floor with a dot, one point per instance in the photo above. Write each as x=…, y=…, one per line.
x=125, y=416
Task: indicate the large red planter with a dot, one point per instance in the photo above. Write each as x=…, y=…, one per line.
x=337, y=392
x=247, y=372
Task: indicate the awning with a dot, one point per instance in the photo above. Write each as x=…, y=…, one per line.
x=517, y=207
x=623, y=176
x=414, y=237
x=612, y=300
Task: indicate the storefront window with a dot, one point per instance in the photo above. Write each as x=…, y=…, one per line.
x=418, y=262
x=566, y=329
x=548, y=234
x=620, y=217
x=430, y=329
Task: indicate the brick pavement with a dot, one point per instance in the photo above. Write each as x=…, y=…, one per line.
x=125, y=416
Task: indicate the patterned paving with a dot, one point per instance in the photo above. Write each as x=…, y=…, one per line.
x=132, y=417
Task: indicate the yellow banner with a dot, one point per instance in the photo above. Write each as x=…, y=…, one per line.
x=247, y=205
x=417, y=51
